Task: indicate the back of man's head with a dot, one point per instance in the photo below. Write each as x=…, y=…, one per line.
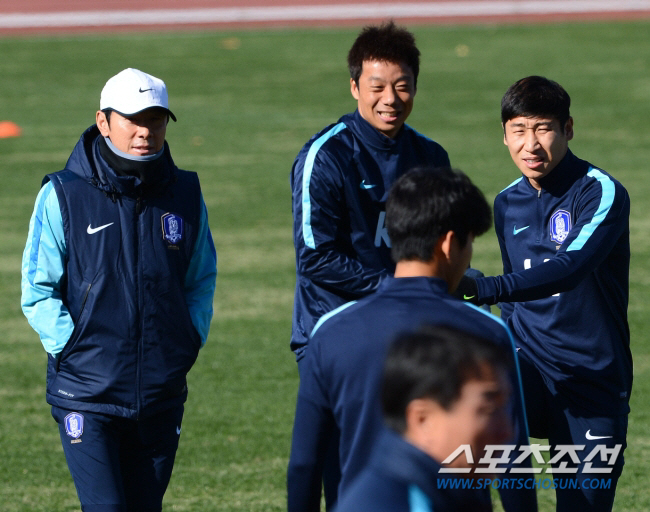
x=426, y=203
x=536, y=96
x=384, y=43
x=434, y=363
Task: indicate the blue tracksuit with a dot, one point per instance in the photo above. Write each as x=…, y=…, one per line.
x=566, y=256
x=341, y=389
x=401, y=478
x=339, y=182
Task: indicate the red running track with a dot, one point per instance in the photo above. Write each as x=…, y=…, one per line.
x=44, y=16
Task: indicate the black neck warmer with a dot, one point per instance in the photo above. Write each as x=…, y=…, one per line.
x=147, y=171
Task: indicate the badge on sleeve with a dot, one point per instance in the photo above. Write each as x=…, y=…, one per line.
x=172, y=226
x=74, y=425
x=560, y=226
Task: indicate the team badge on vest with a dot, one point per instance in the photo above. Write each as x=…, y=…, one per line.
x=74, y=425
x=172, y=226
x=560, y=226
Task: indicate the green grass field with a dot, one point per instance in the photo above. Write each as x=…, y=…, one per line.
x=246, y=102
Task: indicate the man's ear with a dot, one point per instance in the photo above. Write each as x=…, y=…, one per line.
x=423, y=421
x=568, y=129
x=444, y=244
x=102, y=123
x=417, y=413
x=354, y=89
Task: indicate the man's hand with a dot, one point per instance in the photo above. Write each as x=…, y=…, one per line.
x=467, y=289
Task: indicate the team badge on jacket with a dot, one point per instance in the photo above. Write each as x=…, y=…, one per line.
x=74, y=425
x=560, y=226
x=172, y=226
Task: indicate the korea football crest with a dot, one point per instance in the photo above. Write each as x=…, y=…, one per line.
x=172, y=226
x=560, y=226
x=74, y=425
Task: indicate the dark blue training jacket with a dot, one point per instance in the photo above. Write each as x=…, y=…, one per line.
x=339, y=182
x=401, y=478
x=566, y=258
x=133, y=340
x=341, y=389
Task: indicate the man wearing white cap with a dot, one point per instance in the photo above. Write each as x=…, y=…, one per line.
x=118, y=277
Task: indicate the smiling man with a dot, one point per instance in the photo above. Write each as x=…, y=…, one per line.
x=118, y=277
x=563, y=229
x=341, y=177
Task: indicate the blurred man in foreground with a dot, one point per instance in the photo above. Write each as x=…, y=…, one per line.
x=441, y=388
x=432, y=217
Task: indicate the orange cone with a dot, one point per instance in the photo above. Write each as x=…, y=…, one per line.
x=9, y=129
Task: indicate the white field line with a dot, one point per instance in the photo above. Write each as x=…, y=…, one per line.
x=317, y=12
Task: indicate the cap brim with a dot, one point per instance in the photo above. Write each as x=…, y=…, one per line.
x=171, y=114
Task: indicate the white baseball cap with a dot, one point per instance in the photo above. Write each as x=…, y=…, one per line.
x=132, y=91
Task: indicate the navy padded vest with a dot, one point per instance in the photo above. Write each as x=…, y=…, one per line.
x=133, y=341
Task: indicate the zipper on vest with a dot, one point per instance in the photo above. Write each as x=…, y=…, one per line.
x=83, y=302
x=138, y=211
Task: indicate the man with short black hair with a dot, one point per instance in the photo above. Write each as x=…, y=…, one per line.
x=563, y=229
x=441, y=388
x=118, y=277
x=341, y=177
x=432, y=217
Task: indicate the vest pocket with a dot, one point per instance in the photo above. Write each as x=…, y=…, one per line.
x=83, y=302
x=71, y=342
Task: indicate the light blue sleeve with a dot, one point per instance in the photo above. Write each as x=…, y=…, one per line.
x=201, y=277
x=43, y=267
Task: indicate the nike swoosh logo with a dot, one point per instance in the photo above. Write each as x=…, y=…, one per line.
x=178, y=430
x=144, y=90
x=468, y=297
x=367, y=186
x=591, y=438
x=516, y=231
x=92, y=231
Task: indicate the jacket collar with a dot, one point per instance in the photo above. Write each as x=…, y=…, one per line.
x=371, y=135
x=402, y=461
x=430, y=284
